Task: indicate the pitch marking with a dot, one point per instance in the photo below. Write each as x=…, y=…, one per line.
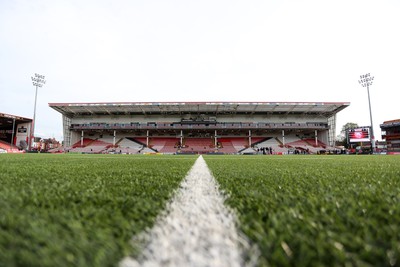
x=198, y=229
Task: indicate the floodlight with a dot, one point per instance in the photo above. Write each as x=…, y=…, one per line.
x=38, y=81
x=366, y=81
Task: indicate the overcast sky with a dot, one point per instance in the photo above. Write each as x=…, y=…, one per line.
x=183, y=50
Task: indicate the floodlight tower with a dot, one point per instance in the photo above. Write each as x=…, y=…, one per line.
x=365, y=81
x=37, y=81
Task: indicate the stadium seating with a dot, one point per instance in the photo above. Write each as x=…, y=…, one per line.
x=291, y=139
x=125, y=142
x=226, y=145
x=307, y=144
x=5, y=145
x=125, y=146
x=134, y=145
x=256, y=140
x=274, y=143
x=90, y=146
x=292, y=142
x=86, y=141
x=140, y=140
x=198, y=145
x=238, y=143
x=157, y=143
x=311, y=142
x=170, y=145
x=108, y=140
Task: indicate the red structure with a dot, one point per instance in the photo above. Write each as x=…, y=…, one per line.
x=391, y=133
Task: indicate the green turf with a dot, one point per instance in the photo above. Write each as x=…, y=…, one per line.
x=316, y=210
x=80, y=210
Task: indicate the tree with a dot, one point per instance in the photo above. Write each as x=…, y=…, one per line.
x=341, y=138
x=349, y=125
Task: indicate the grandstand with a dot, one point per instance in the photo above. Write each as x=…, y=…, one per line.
x=199, y=127
x=14, y=132
x=391, y=133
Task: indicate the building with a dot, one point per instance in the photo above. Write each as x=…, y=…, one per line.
x=391, y=134
x=14, y=132
x=198, y=127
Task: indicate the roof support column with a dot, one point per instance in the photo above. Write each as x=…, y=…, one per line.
x=316, y=138
x=12, y=134
x=181, y=137
x=249, y=138
x=283, y=137
x=82, y=139
x=215, y=139
x=114, y=138
x=147, y=138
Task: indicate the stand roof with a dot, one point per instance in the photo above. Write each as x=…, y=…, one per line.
x=326, y=109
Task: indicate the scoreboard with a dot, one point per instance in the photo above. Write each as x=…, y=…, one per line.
x=361, y=134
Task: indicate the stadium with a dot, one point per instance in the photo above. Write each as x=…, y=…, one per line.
x=199, y=127
x=181, y=184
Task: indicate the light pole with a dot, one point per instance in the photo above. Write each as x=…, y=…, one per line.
x=365, y=81
x=37, y=81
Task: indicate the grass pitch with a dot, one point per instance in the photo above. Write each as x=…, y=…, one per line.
x=82, y=210
x=316, y=210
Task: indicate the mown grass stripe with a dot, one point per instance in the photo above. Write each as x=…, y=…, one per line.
x=197, y=229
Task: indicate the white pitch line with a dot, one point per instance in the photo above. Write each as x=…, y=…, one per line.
x=198, y=229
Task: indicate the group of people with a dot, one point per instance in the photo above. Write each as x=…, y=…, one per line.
x=265, y=150
x=299, y=151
